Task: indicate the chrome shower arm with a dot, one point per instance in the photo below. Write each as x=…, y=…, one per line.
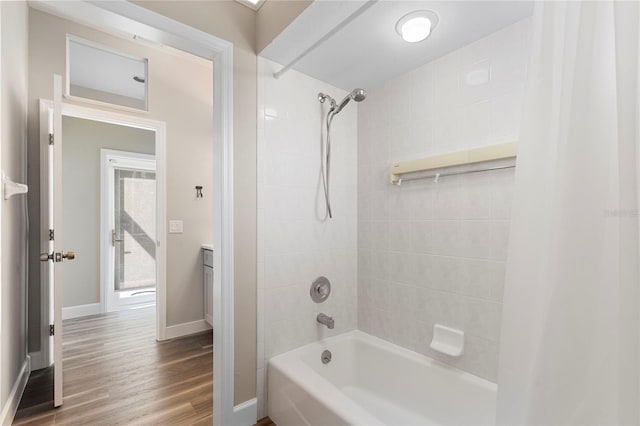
x=323, y=97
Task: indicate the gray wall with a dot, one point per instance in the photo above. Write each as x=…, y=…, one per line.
x=110, y=98
x=83, y=140
x=236, y=23
x=274, y=16
x=14, y=225
x=186, y=105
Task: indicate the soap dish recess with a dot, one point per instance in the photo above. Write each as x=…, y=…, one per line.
x=448, y=341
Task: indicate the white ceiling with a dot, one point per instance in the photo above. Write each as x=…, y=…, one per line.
x=106, y=71
x=368, y=51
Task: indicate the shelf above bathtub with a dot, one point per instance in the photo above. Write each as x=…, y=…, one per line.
x=453, y=159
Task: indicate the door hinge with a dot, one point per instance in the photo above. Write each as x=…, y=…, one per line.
x=50, y=138
x=52, y=330
x=51, y=235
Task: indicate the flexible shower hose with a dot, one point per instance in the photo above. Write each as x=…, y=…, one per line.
x=325, y=162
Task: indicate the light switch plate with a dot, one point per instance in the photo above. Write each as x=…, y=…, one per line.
x=175, y=227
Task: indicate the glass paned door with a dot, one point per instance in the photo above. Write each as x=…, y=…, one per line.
x=134, y=233
x=129, y=229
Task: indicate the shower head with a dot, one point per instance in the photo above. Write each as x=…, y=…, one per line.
x=357, y=95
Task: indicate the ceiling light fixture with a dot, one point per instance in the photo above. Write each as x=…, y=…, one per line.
x=417, y=26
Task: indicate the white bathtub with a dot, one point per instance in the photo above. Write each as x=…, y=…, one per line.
x=372, y=382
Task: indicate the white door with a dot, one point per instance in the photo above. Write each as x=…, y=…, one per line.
x=52, y=250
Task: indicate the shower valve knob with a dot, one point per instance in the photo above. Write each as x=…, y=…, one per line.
x=320, y=289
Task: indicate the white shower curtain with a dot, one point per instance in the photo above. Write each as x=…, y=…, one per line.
x=571, y=326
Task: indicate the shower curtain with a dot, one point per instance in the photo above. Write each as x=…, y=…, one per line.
x=571, y=326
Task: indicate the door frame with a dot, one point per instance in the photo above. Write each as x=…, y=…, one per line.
x=106, y=204
x=120, y=119
x=121, y=17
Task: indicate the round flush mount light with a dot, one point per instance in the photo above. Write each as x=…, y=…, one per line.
x=417, y=26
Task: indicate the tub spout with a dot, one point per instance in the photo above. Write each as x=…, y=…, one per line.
x=325, y=320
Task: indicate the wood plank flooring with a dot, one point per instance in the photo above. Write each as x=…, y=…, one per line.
x=115, y=373
x=265, y=421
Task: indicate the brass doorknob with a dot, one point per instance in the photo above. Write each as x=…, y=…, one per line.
x=70, y=255
x=44, y=257
x=57, y=257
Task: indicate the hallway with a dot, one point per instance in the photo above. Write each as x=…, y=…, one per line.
x=116, y=373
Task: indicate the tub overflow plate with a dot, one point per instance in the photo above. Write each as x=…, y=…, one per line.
x=326, y=357
x=320, y=289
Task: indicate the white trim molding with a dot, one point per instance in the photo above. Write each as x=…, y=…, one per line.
x=187, y=328
x=81, y=310
x=38, y=360
x=11, y=406
x=246, y=413
x=123, y=17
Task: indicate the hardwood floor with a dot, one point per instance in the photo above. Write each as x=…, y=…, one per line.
x=265, y=421
x=115, y=373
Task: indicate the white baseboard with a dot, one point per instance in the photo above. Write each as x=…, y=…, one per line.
x=245, y=414
x=11, y=406
x=186, y=329
x=39, y=360
x=81, y=310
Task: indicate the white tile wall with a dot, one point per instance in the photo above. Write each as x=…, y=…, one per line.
x=295, y=243
x=434, y=252
x=399, y=259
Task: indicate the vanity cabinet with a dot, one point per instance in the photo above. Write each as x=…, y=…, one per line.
x=207, y=256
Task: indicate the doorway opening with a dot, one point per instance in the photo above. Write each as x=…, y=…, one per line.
x=128, y=216
x=137, y=21
x=75, y=209
x=111, y=189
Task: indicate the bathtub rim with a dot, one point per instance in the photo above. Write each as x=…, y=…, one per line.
x=291, y=365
